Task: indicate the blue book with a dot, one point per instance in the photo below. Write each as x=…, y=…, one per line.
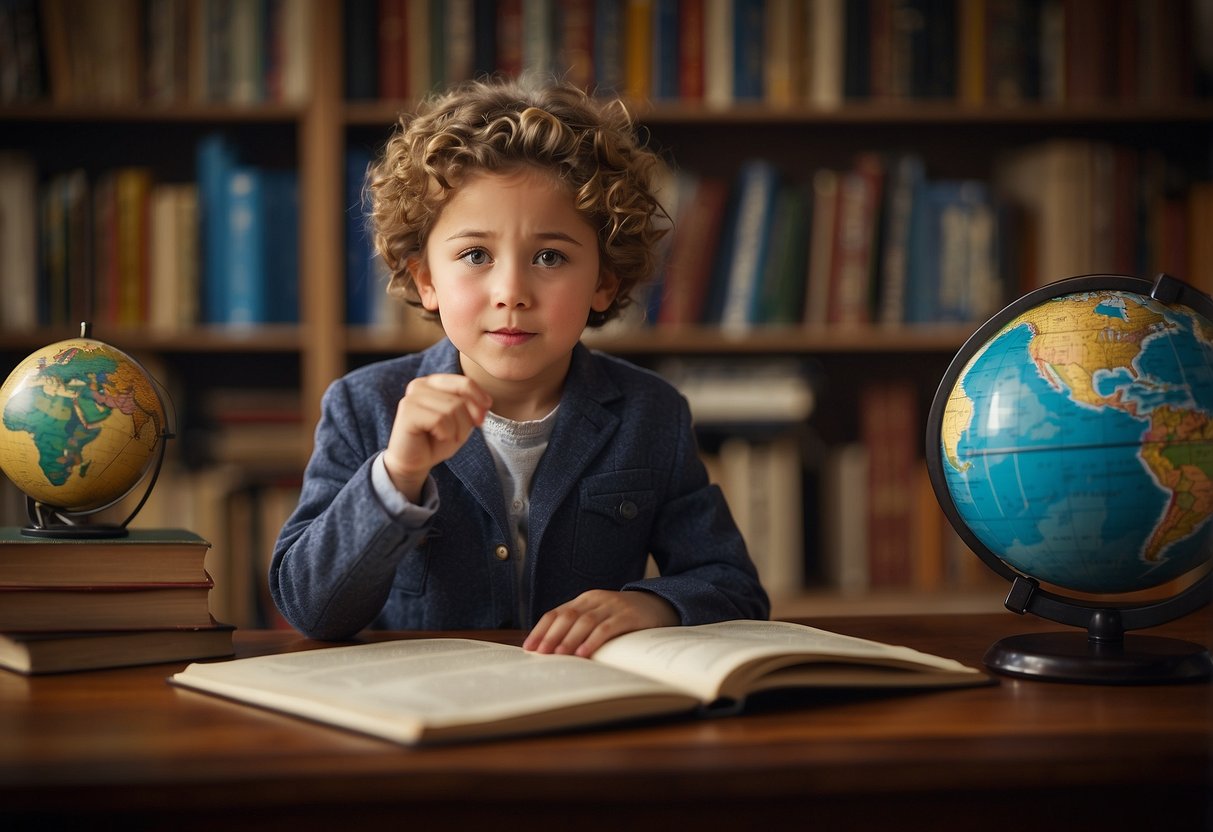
x=953, y=257
x=907, y=173
x=215, y=157
x=758, y=188
x=749, y=19
x=359, y=291
x=665, y=50
x=281, y=246
x=245, y=291
x=609, y=46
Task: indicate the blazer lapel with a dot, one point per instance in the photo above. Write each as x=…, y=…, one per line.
x=584, y=425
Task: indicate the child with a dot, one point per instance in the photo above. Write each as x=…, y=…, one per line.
x=507, y=476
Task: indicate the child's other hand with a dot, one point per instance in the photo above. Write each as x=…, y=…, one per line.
x=433, y=419
x=584, y=624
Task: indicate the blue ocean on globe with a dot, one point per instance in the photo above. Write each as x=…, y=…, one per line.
x=1078, y=442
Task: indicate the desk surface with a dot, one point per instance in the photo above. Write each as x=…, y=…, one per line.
x=125, y=744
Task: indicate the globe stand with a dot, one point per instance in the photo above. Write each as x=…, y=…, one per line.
x=1104, y=654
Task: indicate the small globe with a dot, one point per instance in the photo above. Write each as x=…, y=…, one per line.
x=81, y=423
x=1076, y=441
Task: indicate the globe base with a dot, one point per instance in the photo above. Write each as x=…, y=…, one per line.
x=69, y=532
x=1076, y=657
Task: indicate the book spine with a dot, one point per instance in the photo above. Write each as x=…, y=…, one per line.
x=575, y=42
x=132, y=190
x=393, y=48
x=638, y=45
x=18, y=241
x=245, y=292
x=690, y=50
x=757, y=190
x=748, y=50
x=215, y=158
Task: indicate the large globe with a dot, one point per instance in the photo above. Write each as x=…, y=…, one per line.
x=1075, y=442
x=81, y=422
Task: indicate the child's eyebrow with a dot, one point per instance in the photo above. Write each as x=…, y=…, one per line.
x=475, y=234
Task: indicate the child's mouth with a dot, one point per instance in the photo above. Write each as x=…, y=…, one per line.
x=511, y=337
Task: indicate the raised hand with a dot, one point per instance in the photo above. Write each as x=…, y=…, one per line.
x=433, y=419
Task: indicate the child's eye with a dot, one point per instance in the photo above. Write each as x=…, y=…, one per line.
x=549, y=258
x=475, y=257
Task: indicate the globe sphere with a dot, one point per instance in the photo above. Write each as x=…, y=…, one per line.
x=81, y=422
x=1075, y=443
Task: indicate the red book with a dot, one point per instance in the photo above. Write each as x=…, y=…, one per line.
x=889, y=424
x=860, y=192
x=509, y=37
x=575, y=45
x=690, y=50
x=696, y=232
x=393, y=50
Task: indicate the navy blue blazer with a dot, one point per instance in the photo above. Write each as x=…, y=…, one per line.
x=621, y=478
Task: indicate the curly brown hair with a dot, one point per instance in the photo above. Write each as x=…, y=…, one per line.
x=589, y=144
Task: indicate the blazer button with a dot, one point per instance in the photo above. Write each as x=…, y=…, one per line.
x=502, y=552
x=627, y=510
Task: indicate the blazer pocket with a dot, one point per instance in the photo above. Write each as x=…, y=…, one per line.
x=612, y=537
x=415, y=566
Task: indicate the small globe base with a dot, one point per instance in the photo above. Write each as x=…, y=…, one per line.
x=1075, y=657
x=69, y=532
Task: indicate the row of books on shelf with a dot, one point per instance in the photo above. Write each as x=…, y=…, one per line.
x=76, y=604
x=785, y=53
x=880, y=241
x=156, y=51
x=884, y=242
x=120, y=248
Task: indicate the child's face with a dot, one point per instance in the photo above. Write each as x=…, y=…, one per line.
x=514, y=271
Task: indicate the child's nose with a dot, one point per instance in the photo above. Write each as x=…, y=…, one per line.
x=511, y=288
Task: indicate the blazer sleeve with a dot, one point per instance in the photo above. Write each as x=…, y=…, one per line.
x=336, y=556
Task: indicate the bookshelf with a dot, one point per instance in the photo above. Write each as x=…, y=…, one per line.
x=961, y=136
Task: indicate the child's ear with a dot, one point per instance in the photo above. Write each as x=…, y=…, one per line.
x=424, y=282
x=604, y=295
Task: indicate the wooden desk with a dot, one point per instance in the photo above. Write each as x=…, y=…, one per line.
x=124, y=746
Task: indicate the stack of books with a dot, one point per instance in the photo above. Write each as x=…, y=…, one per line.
x=76, y=604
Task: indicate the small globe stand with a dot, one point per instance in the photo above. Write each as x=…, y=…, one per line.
x=59, y=523
x=1105, y=653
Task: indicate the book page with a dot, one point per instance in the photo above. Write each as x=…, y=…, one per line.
x=731, y=658
x=442, y=688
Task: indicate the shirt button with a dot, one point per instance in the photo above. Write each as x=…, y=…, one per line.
x=517, y=505
x=502, y=551
x=627, y=510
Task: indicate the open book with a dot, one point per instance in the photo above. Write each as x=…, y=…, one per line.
x=442, y=689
